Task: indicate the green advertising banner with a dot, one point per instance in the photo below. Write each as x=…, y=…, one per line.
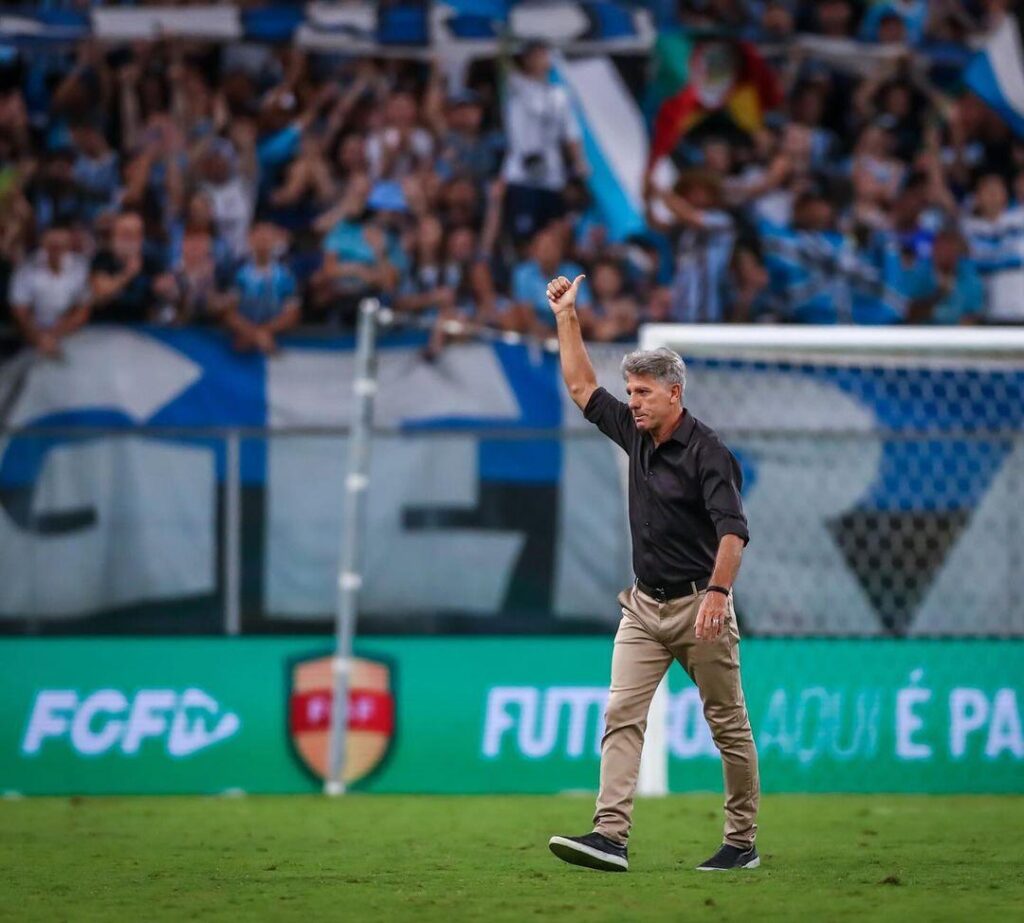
x=492, y=715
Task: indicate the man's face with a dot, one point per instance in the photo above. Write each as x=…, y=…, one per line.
x=56, y=242
x=607, y=282
x=262, y=239
x=946, y=252
x=402, y=110
x=814, y=214
x=88, y=140
x=128, y=237
x=352, y=153
x=834, y=17
x=718, y=156
x=537, y=62
x=59, y=171
x=195, y=250
x=699, y=195
x=796, y=143
x=991, y=195
x=653, y=403
x=461, y=245
x=460, y=200
x=810, y=105
x=216, y=169
x=898, y=101
x=200, y=211
x=777, y=19
x=892, y=31
x=466, y=117
x=547, y=249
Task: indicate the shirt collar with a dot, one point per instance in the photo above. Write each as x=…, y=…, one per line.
x=684, y=428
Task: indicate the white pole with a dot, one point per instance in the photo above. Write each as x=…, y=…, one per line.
x=232, y=535
x=349, y=577
x=653, y=778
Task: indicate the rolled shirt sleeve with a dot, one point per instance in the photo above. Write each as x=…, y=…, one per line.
x=721, y=480
x=612, y=417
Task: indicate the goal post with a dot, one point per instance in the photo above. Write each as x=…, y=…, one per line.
x=845, y=342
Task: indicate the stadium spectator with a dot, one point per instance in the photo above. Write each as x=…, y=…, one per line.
x=400, y=147
x=831, y=18
x=227, y=177
x=199, y=218
x=889, y=27
x=946, y=287
x=614, y=316
x=750, y=298
x=128, y=280
x=53, y=191
x=199, y=281
x=308, y=186
x=49, y=293
x=530, y=311
x=706, y=234
x=362, y=254
x=588, y=232
x=464, y=147
x=538, y=124
x=995, y=234
x=896, y=21
x=96, y=168
x=448, y=280
x=877, y=176
x=263, y=302
x=809, y=263
x=430, y=284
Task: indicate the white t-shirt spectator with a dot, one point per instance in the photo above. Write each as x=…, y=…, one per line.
x=233, y=205
x=538, y=121
x=774, y=206
x=380, y=143
x=998, y=250
x=46, y=294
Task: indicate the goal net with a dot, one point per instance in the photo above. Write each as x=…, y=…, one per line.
x=883, y=480
x=884, y=473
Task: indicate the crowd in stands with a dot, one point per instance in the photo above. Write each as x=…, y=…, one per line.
x=257, y=188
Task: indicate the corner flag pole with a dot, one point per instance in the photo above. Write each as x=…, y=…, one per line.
x=350, y=578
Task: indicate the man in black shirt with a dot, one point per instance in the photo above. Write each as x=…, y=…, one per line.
x=689, y=531
x=128, y=284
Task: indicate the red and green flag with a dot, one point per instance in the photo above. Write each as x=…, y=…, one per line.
x=718, y=76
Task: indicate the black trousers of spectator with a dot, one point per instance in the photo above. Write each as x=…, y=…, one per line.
x=530, y=208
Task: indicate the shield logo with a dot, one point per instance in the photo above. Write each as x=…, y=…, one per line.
x=371, y=715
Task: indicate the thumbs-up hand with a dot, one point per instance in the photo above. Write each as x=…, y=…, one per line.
x=562, y=293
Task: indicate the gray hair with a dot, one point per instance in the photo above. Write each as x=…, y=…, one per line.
x=661, y=364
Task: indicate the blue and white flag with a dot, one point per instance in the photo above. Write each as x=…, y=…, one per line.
x=996, y=74
x=25, y=26
x=614, y=139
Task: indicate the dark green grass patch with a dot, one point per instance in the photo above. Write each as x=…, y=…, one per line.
x=367, y=858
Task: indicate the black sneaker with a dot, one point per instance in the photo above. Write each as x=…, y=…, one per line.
x=731, y=857
x=593, y=851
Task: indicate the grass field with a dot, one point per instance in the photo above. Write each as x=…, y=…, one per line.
x=485, y=858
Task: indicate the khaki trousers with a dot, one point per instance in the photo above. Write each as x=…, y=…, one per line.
x=650, y=635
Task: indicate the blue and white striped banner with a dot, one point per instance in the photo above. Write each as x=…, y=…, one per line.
x=996, y=74
x=355, y=28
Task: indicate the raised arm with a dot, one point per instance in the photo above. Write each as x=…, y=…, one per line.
x=577, y=371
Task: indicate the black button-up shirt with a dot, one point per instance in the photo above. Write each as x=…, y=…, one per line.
x=684, y=495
